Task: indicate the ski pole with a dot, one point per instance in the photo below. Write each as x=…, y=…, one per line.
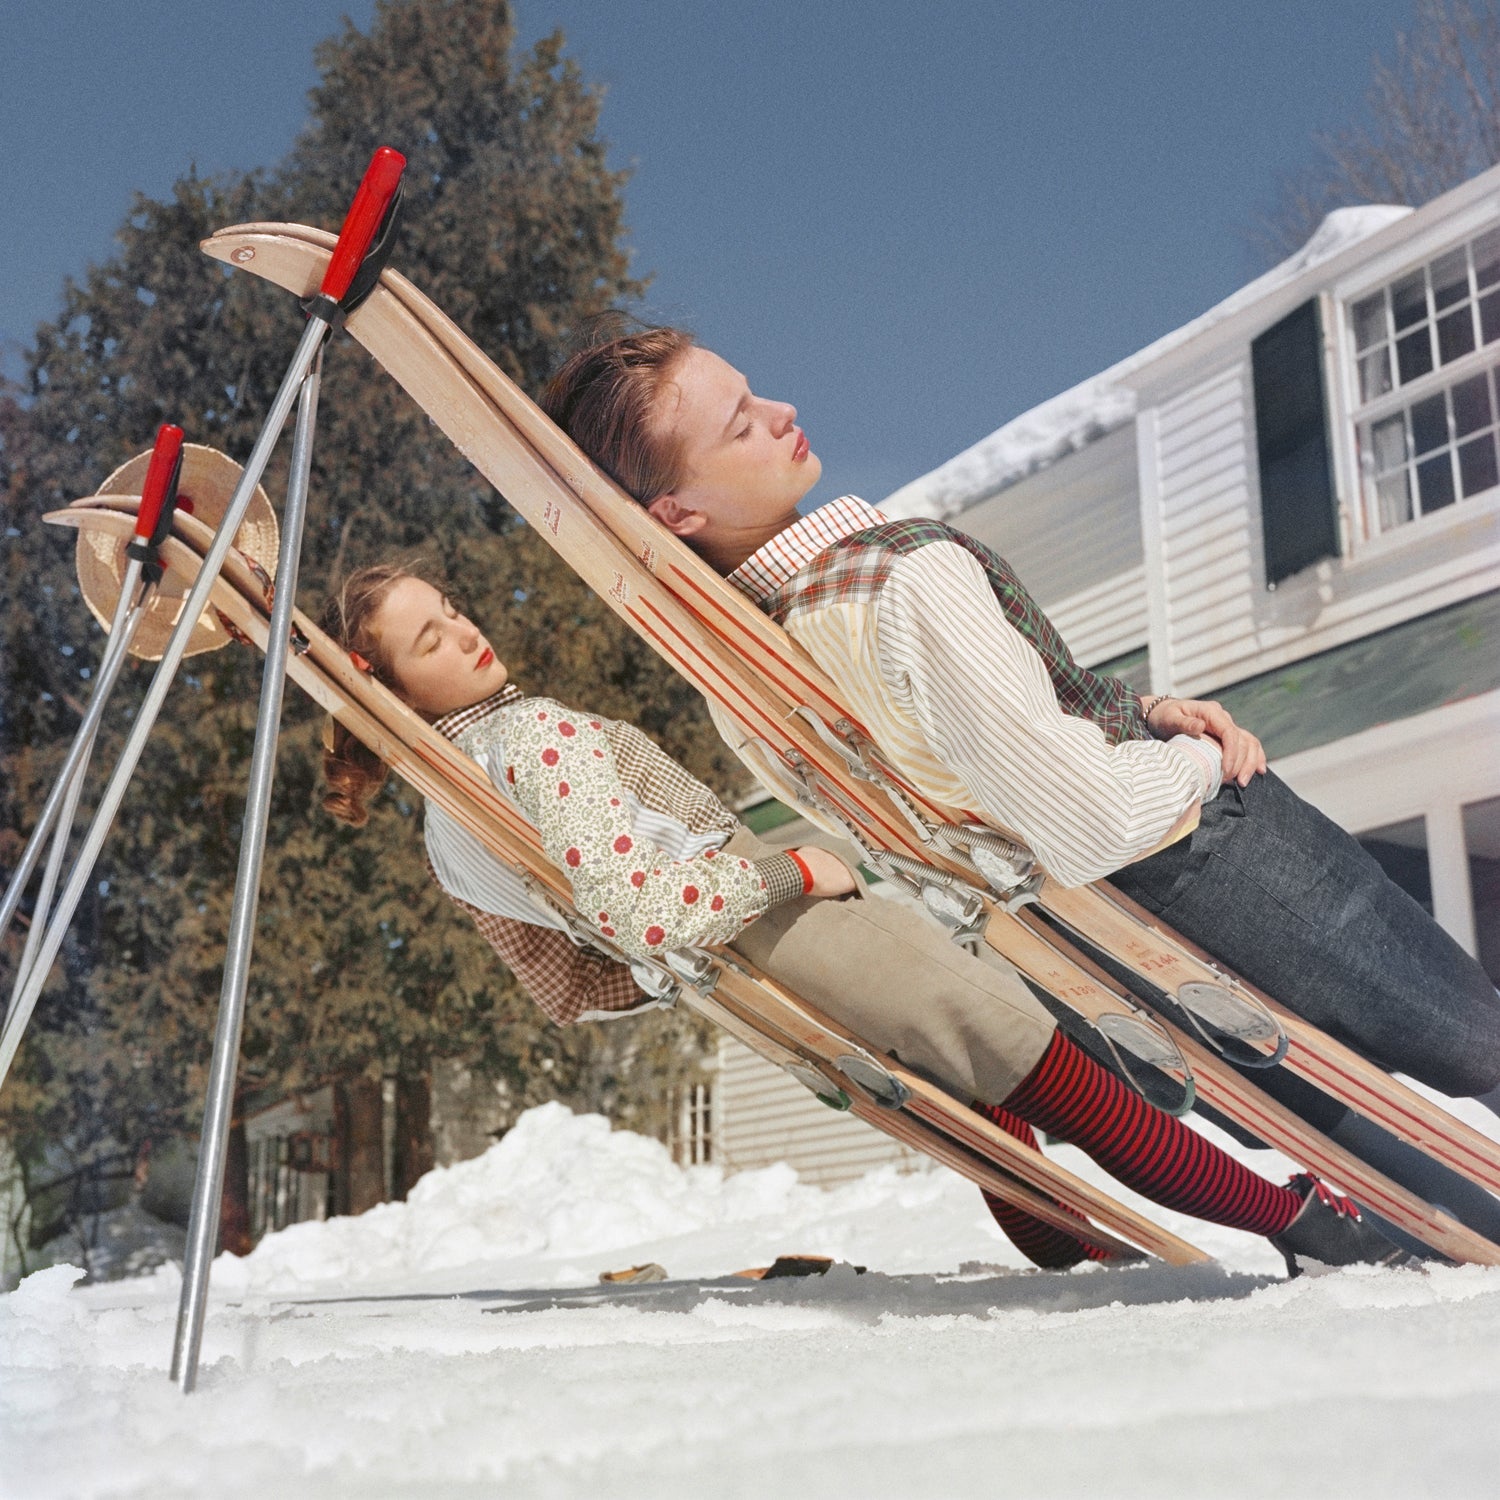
x=351, y=274
x=371, y=222
x=152, y=523
x=208, y=1186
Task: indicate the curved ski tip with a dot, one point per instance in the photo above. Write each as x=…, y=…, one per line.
x=288, y=254
x=88, y=513
x=272, y=229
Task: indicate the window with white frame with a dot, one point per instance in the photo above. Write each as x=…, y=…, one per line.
x=690, y=1135
x=1425, y=347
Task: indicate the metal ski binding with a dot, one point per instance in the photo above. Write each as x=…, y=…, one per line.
x=694, y=967
x=818, y=1086
x=878, y=1082
x=1216, y=1011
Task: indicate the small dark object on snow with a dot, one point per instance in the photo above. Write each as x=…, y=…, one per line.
x=797, y=1265
x=649, y=1271
x=1329, y=1231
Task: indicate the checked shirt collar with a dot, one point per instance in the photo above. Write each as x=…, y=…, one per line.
x=450, y=726
x=774, y=565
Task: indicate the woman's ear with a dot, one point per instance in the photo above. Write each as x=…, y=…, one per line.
x=677, y=517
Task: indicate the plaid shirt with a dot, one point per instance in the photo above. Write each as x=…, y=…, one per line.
x=970, y=692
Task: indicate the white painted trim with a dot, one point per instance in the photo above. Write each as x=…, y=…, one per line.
x=1153, y=547
x=1411, y=250
x=1343, y=451
x=1447, y=861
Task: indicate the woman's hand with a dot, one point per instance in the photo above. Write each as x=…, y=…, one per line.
x=1243, y=755
x=831, y=876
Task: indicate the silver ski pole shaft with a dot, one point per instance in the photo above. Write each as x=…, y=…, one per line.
x=78, y=754
x=114, y=792
x=75, y=768
x=365, y=235
x=143, y=570
x=208, y=1188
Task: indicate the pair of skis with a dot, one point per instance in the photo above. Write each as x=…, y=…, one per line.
x=976, y=879
x=747, y=1003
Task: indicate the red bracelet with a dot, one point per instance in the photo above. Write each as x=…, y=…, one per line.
x=801, y=864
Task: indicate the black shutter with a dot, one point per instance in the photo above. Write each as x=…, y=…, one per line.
x=1291, y=443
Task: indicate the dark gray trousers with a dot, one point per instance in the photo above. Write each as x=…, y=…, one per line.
x=1293, y=903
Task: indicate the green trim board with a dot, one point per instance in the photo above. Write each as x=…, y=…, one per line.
x=766, y=815
x=1395, y=674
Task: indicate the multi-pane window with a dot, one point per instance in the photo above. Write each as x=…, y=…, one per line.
x=1435, y=451
x=690, y=1134
x=1416, y=334
x=1430, y=318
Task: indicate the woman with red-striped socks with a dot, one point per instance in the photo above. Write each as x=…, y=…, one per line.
x=1069, y=1096
x=658, y=863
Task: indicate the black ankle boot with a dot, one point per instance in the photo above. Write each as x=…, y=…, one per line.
x=1330, y=1231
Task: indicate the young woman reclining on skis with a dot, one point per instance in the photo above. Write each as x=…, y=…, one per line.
x=658, y=863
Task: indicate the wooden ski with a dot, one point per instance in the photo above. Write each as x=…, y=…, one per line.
x=707, y=630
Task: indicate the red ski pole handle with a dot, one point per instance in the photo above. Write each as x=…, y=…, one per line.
x=376, y=190
x=161, y=480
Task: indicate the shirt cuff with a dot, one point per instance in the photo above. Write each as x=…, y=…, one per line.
x=783, y=878
x=1206, y=758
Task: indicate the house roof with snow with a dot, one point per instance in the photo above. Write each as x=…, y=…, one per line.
x=1106, y=401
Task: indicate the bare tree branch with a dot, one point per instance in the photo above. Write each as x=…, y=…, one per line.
x=1433, y=121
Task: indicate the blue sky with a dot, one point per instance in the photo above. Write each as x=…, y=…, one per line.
x=915, y=221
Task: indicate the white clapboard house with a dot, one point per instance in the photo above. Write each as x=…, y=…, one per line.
x=1291, y=504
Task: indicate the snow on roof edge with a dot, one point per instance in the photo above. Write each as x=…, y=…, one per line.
x=1095, y=407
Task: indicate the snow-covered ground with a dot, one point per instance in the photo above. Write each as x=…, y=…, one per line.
x=458, y=1345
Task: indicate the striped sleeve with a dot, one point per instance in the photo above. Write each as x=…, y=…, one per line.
x=471, y=874
x=982, y=698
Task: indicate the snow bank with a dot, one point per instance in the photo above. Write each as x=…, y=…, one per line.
x=1098, y=405
x=318, y=1383
x=559, y=1192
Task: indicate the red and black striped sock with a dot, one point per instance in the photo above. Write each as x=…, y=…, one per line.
x=1070, y=1096
x=1040, y=1243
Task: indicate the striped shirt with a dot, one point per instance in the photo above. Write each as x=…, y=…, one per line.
x=951, y=668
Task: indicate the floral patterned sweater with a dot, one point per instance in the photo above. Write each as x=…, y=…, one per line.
x=640, y=840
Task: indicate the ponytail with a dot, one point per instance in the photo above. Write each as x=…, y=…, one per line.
x=354, y=774
x=353, y=771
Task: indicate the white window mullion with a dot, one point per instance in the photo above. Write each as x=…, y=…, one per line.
x=1448, y=860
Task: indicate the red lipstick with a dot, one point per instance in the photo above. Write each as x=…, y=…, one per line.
x=485, y=658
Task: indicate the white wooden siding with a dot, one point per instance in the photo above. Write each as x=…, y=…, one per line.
x=1072, y=532
x=762, y=1116
x=1202, y=491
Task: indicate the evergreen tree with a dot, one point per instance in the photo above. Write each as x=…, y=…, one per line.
x=513, y=223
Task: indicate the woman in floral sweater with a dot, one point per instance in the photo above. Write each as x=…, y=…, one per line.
x=657, y=863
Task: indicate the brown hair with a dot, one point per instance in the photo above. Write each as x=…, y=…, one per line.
x=353, y=771
x=605, y=395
